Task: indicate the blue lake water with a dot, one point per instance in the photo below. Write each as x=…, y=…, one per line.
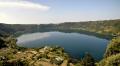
x=75, y=44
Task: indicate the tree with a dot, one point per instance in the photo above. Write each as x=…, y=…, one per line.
x=88, y=60
x=2, y=43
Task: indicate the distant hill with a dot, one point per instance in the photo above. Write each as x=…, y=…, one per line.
x=111, y=27
x=6, y=28
x=103, y=27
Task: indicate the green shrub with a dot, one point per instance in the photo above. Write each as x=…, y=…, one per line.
x=113, y=48
x=113, y=60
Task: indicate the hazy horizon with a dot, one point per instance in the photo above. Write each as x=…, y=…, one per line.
x=57, y=11
x=58, y=23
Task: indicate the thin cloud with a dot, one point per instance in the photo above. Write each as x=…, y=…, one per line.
x=22, y=4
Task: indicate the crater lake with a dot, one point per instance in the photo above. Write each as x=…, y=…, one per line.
x=75, y=44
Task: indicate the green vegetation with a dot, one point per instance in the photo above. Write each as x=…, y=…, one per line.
x=105, y=27
x=113, y=48
x=113, y=60
x=2, y=44
x=112, y=55
x=88, y=60
x=12, y=55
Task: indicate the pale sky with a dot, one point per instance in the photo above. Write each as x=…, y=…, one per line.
x=57, y=11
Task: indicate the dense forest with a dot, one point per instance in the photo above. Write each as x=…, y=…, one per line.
x=12, y=55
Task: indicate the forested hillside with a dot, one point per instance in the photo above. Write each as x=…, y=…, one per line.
x=106, y=27
x=111, y=27
x=6, y=28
